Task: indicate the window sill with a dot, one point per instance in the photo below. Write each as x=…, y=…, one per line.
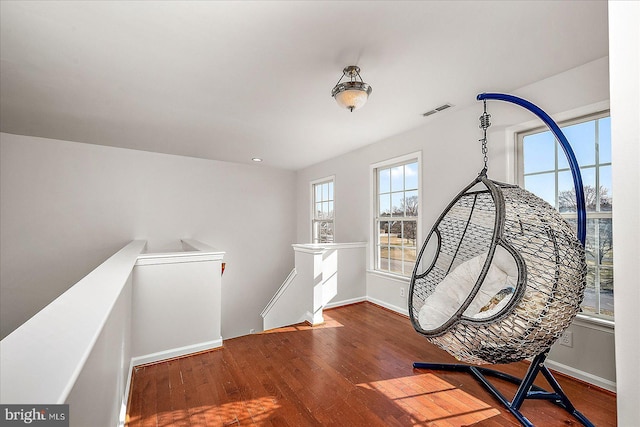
x=396, y=277
x=594, y=322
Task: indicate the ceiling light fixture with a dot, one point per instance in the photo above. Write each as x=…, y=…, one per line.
x=351, y=94
x=257, y=159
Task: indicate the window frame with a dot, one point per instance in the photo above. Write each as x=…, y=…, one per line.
x=415, y=157
x=519, y=136
x=314, y=219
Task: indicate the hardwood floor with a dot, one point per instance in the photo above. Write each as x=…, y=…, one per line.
x=354, y=370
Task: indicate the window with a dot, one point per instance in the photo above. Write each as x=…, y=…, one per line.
x=544, y=171
x=396, y=208
x=322, y=225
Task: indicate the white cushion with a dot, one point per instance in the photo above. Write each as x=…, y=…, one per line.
x=457, y=285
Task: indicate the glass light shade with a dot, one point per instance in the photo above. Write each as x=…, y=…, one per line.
x=351, y=95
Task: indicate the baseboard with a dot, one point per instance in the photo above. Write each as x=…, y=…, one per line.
x=350, y=301
x=176, y=352
x=581, y=375
x=399, y=310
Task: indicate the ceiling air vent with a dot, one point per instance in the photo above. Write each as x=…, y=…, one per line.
x=437, y=109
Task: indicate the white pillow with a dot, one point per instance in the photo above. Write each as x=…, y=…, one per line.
x=456, y=286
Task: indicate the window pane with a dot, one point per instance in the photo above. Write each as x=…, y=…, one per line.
x=582, y=138
x=409, y=233
x=605, y=242
x=325, y=209
x=397, y=178
x=411, y=176
x=395, y=259
x=606, y=291
x=409, y=260
x=604, y=140
x=318, y=212
x=395, y=232
x=330, y=211
x=606, y=190
x=325, y=191
x=318, y=192
x=411, y=203
x=543, y=186
x=384, y=181
x=590, y=302
x=385, y=205
x=591, y=241
x=567, y=193
x=539, y=154
x=383, y=259
x=397, y=204
x=330, y=184
x=383, y=236
x=326, y=232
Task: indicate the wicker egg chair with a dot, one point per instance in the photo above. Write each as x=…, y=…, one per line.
x=500, y=277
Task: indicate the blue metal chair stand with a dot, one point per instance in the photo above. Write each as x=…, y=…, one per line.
x=526, y=389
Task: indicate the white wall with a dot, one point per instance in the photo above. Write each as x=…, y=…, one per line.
x=176, y=307
x=66, y=206
x=98, y=393
x=451, y=158
x=624, y=48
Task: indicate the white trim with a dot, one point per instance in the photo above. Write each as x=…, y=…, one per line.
x=373, y=197
x=386, y=305
x=193, y=251
x=560, y=117
x=320, y=247
x=292, y=275
x=345, y=302
x=176, y=352
x=313, y=318
x=581, y=375
x=400, y=159
x=176, y=258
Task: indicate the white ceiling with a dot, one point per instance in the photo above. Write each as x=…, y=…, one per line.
x=236, y=80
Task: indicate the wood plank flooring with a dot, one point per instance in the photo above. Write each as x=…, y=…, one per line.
x=354, y=370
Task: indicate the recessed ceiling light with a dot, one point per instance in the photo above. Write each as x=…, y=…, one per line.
x=257, y=159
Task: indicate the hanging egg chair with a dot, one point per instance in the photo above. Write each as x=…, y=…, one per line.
x=506, y=281
x=500, y=277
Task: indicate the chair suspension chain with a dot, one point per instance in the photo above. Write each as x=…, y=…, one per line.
x=484, y=125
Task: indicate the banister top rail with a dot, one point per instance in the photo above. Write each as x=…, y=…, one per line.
x=41, y=360
x=192, y=251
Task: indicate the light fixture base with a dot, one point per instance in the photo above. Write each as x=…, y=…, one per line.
x=352, y=70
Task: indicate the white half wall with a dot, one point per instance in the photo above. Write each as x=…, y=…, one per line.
x=176, y=305
x=67, y=206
